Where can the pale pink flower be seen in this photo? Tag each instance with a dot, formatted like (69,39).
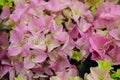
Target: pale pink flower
(34,57)
(16,45)
(36,25)
(83,44)
(59,64)
(59,34)
(19,12)
(115,33)
(57,5)
(37,41)
(83,26)
(98,73)
(70,73)
(51,43)
(77,12)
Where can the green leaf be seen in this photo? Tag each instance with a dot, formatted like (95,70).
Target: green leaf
(94,4)
(76,55)
(93,9)
(0,26)
(19,78)
(4,3)
(116,75)
(58,21)
(105,64)
(76,78)
(101,77)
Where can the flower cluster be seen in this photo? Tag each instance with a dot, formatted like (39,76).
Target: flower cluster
(40,38)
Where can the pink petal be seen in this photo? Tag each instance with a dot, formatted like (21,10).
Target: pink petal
(84,25)
(37,42)
(115,33)
(12,74)
(98,43)
(5,13)
(55,5)
(14,50)
(28,64)
(5,70)
(16,37)
(4,40)
(40,56)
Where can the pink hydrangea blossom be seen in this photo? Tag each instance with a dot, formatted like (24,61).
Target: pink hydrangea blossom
(41,39)
(35,57)
(5,13)
(99,45)
(58,5)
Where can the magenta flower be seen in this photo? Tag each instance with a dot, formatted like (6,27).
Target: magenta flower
(5,13)
(113,55)
(99,45)
(3,45)
(74,33)
(4,40)
(4,70)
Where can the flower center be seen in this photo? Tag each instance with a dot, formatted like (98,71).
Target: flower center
(36,42)
(20,44)
(113,60)
(100,48)
(33,56)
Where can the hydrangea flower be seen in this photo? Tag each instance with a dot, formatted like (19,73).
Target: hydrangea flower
(56,39)
(34,57)
(98,48)
(98,74)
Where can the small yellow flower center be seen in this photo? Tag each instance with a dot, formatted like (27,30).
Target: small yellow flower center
(113,60)
(33,56)
(100,48)
(36,30)
(36,42)
(20,44)
(46,27)
(48,42)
